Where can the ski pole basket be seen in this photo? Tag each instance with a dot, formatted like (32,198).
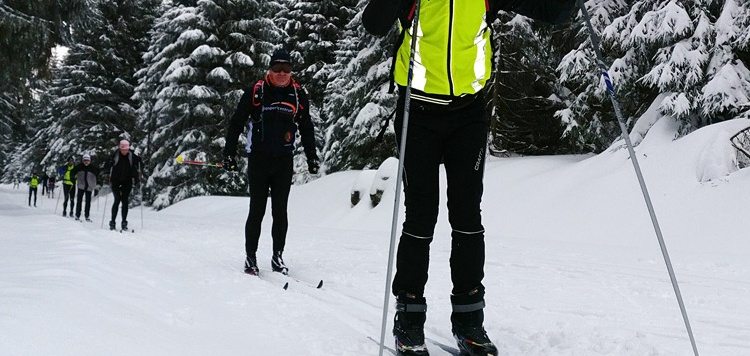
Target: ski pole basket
(741,141)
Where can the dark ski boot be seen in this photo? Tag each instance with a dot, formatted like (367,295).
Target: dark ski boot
(124,225)
(251,265)
(408,325)
(277,263)
(112,225)
(470,335)
(467,319)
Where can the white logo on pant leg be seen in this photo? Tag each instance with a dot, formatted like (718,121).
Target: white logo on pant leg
(479,160)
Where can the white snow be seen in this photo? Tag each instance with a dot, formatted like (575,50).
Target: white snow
(573,265)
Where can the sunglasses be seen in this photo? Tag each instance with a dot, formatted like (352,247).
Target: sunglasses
(281,68)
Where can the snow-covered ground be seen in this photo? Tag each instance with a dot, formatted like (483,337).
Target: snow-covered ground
(573,265)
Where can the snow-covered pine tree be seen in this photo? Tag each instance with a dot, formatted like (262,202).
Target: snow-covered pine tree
(690,51)
(28,32)
(589,121)
(201,56)
(314,31)
(525,86)
(88,103)
(357,102)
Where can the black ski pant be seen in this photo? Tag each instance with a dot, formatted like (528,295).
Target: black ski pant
(264,172)
(121,193)
(457,139)
(81,194)
(32,191)
(69,194)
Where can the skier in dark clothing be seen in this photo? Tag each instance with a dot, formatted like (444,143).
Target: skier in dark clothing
(85,174)
(276,107)
(124,172)
(51,186)
(43,182)
(448,124)
(68,185)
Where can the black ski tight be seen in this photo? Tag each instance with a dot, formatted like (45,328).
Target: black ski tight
(32,191)
(87,210)
(456,139)
(121,192)
(266,172)
(69,194)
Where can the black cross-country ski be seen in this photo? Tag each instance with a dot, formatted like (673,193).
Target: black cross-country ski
(257,275)
(317,285)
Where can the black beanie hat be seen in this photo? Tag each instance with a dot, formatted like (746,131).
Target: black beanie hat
(280,56)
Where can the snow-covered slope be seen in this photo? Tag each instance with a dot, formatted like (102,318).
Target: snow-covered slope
(573,265)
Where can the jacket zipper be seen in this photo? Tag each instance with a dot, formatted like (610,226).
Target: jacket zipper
(450,47)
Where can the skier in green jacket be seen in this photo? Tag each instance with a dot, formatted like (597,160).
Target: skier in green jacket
(448,124)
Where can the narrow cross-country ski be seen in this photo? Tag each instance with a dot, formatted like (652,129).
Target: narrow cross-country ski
(266,272)
(271,279)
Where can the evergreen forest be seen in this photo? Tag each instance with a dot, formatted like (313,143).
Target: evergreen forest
(77,76)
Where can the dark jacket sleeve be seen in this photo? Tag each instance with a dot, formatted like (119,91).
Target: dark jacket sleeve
(379,15)
(238,121)
(305,124)
(549,11)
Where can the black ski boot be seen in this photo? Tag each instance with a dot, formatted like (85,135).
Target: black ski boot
(112,225)
(251,265)
(470,335)
(467,319)
(277,263)
(408,325)
(124,225)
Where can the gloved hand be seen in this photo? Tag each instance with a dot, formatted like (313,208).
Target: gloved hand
(229,163)
(313,166)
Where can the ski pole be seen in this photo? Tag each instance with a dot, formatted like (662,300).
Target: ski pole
(140,191)
(104,211)
(399,177)
(58,202)
(639,174)
(181,160)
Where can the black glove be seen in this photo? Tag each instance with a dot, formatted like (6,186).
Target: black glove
(229,163)
(313,166)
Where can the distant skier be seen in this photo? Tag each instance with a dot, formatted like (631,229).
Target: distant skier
(33,184)
(276,107)
(68,185)
(448,125)
(43,182)
(124,172)
(16,182)
(51,186)
(85,173)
